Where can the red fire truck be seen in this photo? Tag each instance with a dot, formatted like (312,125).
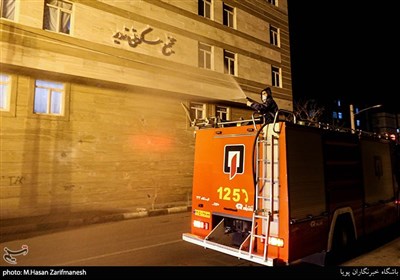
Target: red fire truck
(276,193)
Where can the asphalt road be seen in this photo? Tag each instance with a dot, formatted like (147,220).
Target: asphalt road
(149,242)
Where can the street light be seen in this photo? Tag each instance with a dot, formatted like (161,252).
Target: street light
(352,114)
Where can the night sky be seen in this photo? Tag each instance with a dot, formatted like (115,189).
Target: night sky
(345,50)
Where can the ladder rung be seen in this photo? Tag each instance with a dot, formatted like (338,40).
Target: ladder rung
(265,160)
(263,197)
(265,210)
(267,181)
(261,216)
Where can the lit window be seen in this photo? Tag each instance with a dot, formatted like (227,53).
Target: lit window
(5,92)
(205,56)
(8,94)
(229,62)
(197,111)
(49,98)
(205,8)
(229,16)
(276,76)
(274,35)
(8,9)
(57,16)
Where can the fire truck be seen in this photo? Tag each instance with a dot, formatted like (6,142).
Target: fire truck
(287,191)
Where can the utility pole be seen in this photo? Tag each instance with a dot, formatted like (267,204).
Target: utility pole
(352,115)
(353,126)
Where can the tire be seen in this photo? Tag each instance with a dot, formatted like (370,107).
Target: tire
(343,243)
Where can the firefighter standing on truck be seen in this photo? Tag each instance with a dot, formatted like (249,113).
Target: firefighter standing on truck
(267,108)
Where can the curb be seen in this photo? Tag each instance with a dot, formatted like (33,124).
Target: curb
(130,215)
(8,231)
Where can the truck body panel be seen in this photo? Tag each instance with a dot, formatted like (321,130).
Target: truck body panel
(281,192)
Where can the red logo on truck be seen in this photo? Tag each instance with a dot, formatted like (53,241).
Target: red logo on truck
(233,160)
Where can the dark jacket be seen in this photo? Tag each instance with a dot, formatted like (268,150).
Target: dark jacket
(267,108)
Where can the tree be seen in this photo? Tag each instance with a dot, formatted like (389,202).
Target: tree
(308,110)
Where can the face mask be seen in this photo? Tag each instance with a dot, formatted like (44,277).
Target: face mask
(264,97)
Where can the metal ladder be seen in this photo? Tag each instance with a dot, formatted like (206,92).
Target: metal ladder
(266,191)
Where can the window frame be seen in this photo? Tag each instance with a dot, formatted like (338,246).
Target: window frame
(274,36)
(273,2)
(218,112)
(11,95)
(229,14)
(205,6)
(65,101)
(59,21)
(15,7)
(204,55)
(201,107)
(276,76)
(230,59)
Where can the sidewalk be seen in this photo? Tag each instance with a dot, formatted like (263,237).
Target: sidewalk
(20,228)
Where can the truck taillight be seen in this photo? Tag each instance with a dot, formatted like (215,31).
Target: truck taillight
(200,224)
(275,241)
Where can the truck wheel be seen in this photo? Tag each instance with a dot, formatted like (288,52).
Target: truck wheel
(343,242)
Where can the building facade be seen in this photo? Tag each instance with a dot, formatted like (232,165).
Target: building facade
(98,97)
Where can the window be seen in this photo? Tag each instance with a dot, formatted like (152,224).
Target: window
(8,93)
(357,122)
(276,76)
(8,9)
(273,2)
(57,16)
(5,92)
(197,111)
(222,113)
(205,9)
(229,16)
(337,115)
(205,56)
(274,36)
(229,62)
(49,98)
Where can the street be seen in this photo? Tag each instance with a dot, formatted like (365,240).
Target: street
(146,242)
(150,241)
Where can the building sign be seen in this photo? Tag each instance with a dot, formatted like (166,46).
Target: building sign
(134,39)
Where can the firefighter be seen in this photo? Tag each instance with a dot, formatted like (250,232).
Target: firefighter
(267,108)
